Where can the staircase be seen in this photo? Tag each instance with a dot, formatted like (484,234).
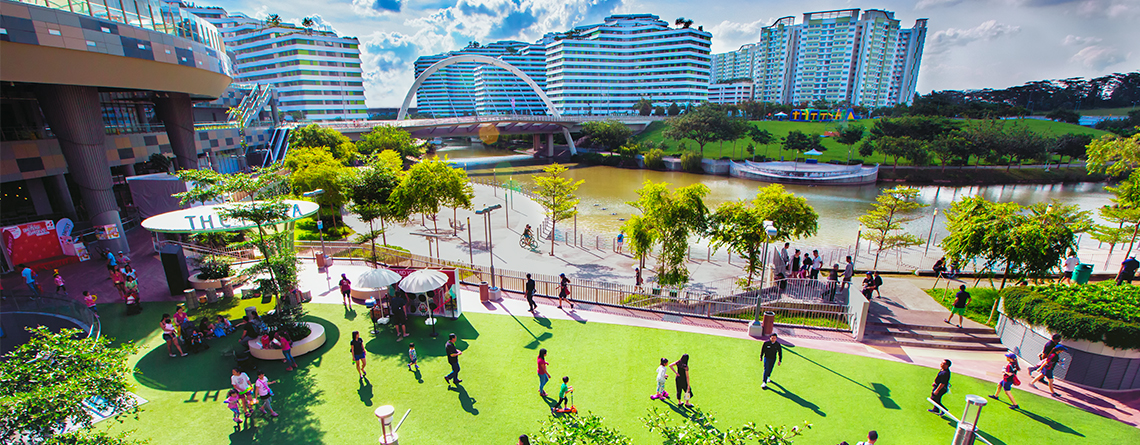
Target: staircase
(946,336)
(252,104)
(278,146)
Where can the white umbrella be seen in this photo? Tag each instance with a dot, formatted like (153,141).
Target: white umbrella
(423,280)
(377,279)
(814,152)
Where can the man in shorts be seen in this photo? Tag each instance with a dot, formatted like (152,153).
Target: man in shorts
(399,318)
(1051,361)
(961,300)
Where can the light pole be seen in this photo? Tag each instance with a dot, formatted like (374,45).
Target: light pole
(931,234)
(757,328)
(858,235)
(486,212)
(320,227)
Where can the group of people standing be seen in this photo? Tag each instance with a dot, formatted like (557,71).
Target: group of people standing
(795,266)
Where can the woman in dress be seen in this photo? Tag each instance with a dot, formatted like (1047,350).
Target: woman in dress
(684,389)
(564,291)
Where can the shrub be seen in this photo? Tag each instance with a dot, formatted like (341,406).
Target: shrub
(655,159)
(215,267)
(1063,310)
(287,320)
(691,161)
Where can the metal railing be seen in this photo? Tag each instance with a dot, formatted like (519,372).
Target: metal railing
(58,306)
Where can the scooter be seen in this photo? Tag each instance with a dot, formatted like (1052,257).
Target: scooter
(663,396)
(571,410)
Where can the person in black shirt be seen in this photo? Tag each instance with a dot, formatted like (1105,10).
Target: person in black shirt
(941,387)
(773,354)
(1052,343)
(530,293)
(1127,270)
(358,356)
(961,300)
(453,354)
(399,317)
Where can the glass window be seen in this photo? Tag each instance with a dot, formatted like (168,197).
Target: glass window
(115,11)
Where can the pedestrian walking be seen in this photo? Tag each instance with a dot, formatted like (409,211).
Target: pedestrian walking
(564,291)
(662,377)
(399,318)
(286,350)
(773,355)
(358,356)
(346,290)
(169,333)
(1008,379)
(543,375)
(940,387)
(961,301)
(264,394)
(530,294)
(453,354)
(682,379)
(233,402)
(240,383)
(848,272)
(637,280)
(816,264)
(60,286)
(413,358)
(1049,345)
(111,260)
(89,299)
(872,437)
(796,261)
(30,280)
(1048,363)
(620,241)
(1127,270)
(120,281)
(1070,265)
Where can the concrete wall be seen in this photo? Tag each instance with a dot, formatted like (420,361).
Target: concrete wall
(1088,364)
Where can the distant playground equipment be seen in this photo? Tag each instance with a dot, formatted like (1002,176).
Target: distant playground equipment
(813,115)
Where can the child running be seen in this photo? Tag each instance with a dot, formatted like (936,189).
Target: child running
(563,391)
(264,393)
(60,286)
(662,377)
(286,350)
(1008,379)
(233,402)
(412,357)
(90,298)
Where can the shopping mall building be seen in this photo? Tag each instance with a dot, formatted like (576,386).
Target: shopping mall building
(90,91)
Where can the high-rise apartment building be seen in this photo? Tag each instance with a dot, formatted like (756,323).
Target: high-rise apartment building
(734,65)
(317,74)
(596,69)
(838,56)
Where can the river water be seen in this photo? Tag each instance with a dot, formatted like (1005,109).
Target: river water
(606,191)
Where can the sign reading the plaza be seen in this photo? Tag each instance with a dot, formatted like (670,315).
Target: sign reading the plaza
(206,218)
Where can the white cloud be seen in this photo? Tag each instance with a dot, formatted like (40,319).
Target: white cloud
(490,20)
(928,4)
(1098,57)
(734,34)
(1071,40)
(942,41)
(386,59)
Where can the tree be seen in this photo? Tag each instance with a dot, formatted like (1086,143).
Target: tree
(1124,212)
(272,21)
(706,123)
(429,185)
(659,110)
(317,136)
(798,142)
(1061,115)
(681,21)
(849,135)
(1113,154)
(556,195)
(396,139)
(629,152)
(643,106)
(45,382)
(674,109)
(1072,145)
(949,148)
(741,226)
(585,429)
(315,168)
(372,190)
(892,210)
(308,23)
(670,218)
(904,147)
(699,428)
(610,134)
(762,137)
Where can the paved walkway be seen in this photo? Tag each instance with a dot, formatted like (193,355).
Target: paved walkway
(902,301)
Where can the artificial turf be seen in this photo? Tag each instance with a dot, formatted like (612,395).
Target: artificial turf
(612,368)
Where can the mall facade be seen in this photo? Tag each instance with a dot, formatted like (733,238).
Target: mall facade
(92,94)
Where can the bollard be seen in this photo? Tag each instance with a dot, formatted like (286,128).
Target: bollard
(387,433)
(191,299)
(227,288)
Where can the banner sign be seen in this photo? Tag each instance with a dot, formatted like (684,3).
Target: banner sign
(203,219)
(812,115)
(30,242)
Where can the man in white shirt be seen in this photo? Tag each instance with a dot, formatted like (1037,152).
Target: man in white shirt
(785,260)
(1070,265)
(816,264)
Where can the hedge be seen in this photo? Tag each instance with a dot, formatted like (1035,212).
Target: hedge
(1031,306)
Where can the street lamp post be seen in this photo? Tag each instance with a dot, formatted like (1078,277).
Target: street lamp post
(320,226)
(931,234)
(770,231)
(486,212)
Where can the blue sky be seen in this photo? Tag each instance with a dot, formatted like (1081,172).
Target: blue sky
(970,43)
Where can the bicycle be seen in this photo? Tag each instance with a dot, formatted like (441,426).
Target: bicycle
(528,242)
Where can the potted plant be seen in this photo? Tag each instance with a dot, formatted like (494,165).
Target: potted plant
(212,269)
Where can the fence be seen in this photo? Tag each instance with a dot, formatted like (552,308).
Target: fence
(796,301)
(1075,365)
(68,309)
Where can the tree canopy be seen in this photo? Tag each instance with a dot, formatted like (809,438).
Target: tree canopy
(313,135)
(669,218)
(740,226)
(556,194)
(893,208)
(1114,154)
(609,134)
(371,192)
(396,139)
(705,123)
(315,168)
(431,184)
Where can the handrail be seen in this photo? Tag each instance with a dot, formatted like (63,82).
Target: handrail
(66,308)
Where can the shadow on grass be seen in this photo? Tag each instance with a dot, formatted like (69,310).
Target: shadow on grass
(465,400)
(294,398)
(426,346)
(209,370)
(879,389)
(1058,426)
(783,392)
(365,391)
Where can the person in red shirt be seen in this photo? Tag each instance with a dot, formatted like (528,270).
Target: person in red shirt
(543,374)
(346,290)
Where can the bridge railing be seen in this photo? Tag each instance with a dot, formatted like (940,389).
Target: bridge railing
(567,119)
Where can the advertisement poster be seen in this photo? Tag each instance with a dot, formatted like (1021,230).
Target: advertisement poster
(31,242)
(110,231)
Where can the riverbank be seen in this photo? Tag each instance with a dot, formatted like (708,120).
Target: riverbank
(987,176)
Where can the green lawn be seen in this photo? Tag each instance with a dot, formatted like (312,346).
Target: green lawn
(1123,111)
(981,301)
(835,151)
(612,368)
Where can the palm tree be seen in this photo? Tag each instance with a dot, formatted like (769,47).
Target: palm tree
(681,21)
(308,24)
(273,21)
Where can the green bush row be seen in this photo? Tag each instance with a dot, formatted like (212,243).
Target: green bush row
(1034,308)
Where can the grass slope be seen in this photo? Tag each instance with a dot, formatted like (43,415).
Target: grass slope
(835,151)
(612,368)
(981,304)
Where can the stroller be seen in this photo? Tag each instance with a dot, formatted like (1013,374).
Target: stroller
(134,305)
(194,340)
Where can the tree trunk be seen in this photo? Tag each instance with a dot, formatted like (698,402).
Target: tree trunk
(372,238)
(552,224)
(383,231)
(1133,241)
(435,223)
(454,221)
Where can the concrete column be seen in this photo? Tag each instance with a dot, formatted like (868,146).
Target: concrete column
(273,109)
(62,194)
(39,196)
(140,113)
(550,144)
(75,116)
(536,143)
(176,113)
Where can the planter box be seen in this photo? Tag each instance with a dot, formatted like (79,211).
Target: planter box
(1089,364)
(315,340)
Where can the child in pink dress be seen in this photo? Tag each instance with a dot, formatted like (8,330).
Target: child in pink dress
(233,402)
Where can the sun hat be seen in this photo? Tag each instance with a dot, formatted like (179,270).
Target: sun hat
(1011,355)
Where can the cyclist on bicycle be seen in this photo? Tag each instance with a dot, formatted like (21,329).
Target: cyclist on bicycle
(526,232)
